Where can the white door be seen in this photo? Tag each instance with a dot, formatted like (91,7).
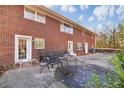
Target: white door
(70,45)
(86,47)
(23,48)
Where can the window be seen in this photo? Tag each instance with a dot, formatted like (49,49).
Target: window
(34,15)
(41,18)
(71,30)
(39,43)
(62,27)
(29,14)
(70,45)
(79,46)
(66,28)
(22,48)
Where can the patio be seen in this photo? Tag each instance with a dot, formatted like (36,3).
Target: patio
(31,78)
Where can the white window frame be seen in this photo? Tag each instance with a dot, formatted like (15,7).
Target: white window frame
(29,47)
(62,27)
(79,46)
(27,17)
(43,18)
(71,30)
(86,48)
(66,29)
(43,21)
(43,40)
(70,49)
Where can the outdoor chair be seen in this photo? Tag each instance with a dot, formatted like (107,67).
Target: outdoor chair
(72,55)
(44,62)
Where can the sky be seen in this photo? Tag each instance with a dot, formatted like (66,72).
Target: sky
(93,17)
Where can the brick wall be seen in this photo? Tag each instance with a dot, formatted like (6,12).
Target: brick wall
(12,22)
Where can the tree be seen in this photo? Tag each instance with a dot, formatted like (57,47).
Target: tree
(111,31)
(111,37)
(121,34)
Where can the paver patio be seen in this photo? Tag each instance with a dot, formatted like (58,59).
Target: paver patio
(31,78)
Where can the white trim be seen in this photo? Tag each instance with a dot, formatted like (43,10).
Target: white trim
(71,42)
(29,54)
(43,43)
(35,19)
(43,21)
(68,29)
(79,46)
(86,48)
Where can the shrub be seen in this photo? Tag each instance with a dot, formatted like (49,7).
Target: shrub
(118,69)
(113,79)
(94,81)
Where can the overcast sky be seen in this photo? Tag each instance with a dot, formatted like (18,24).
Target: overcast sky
(91,16)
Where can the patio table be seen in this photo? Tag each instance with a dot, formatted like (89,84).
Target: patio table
(50,62)
(66,59)
(55,63)
(69,58)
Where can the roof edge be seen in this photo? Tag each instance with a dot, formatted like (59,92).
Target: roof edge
(64,18)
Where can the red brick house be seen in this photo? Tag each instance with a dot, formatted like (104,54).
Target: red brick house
(27,30)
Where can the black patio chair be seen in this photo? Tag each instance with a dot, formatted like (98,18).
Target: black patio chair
(44,62)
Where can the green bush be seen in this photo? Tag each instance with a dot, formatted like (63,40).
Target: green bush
(121,55)
(94,81)
(113,79)
(118,68)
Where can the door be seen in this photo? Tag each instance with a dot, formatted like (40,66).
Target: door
(23,49)
(70,45)
(86,47)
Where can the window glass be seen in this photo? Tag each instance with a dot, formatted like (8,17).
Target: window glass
(41,18)
(29,14)
(70,45)
(34,15)
(39,43)
(66,28)
(79,45)
(22,49)
(62,27)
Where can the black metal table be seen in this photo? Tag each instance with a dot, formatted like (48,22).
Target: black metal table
(43,65)
(52,63)
(67,59)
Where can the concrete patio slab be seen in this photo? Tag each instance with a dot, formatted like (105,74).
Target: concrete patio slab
(31,78)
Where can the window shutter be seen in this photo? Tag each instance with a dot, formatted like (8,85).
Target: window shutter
(62,27)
